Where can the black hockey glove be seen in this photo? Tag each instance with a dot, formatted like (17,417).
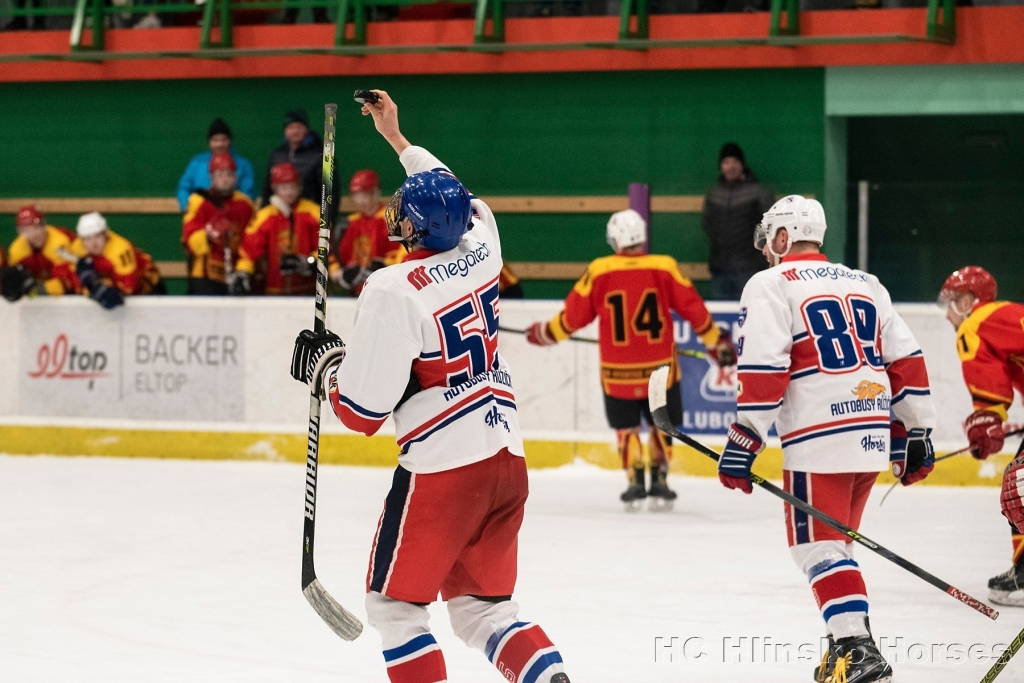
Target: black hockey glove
(293,264)
(238,283)
(314,355)
(16,282)
(352,277)
(105,296)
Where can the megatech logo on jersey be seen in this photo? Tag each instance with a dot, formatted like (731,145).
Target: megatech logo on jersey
(63,360)
(823,273)
(420,277)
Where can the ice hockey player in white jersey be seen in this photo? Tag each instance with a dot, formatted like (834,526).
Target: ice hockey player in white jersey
(424,350)
(823,355)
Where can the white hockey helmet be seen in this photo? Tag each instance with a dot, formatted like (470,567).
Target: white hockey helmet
(626,229)
(803,218)
(91,224)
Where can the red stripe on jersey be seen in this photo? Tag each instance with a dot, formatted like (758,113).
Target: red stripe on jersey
(762,387)
(804,355)
(827,425)
(427,668)
(520,649)
(907,372)
(452,409)
(430,373)
(848,581)
(352,419)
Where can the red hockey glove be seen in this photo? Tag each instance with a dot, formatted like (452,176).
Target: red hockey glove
(734,465)
(218,229)
(723,352)
(539,334)
(1010,498)
(985,432)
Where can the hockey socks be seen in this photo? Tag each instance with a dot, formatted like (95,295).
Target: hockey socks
(523,653)
(841,596)
(418,660)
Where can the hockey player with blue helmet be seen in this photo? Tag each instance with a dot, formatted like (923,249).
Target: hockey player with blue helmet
(424,350)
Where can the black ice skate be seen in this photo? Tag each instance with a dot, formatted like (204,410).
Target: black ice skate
(1008,588)
(828,662)
(636,491)
(559,678)
(857,660)
(662,497)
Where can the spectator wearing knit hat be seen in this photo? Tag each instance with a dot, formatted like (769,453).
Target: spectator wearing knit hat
(732,209)
(303,149)
(197,175)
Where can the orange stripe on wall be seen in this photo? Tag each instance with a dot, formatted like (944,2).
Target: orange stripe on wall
(984,35)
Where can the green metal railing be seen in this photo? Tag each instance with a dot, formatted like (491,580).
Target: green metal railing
(352,16)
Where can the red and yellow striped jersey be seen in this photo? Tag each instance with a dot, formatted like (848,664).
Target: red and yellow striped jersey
(633,296)
(990,343)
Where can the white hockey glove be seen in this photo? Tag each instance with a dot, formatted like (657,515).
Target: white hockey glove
(315,353)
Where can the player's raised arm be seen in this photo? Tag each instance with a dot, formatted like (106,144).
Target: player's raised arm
(385,120)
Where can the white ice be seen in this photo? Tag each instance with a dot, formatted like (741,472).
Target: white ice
(148,571)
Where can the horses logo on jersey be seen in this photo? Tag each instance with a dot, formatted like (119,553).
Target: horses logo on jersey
(866,390)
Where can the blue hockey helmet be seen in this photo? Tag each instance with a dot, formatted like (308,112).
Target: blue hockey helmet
(436,204)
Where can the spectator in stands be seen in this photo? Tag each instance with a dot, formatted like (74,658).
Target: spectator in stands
(732,209)
(109,266)
(364,246)
(212,228)
(283,235)
(303,149)
(197,174)
(39,262)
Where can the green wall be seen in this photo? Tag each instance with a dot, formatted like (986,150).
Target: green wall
(503,134)
(945,192)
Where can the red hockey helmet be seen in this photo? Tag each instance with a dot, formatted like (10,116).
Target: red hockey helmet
(29,216)
(364,181)
(222,161)
(973,279)
(282,174)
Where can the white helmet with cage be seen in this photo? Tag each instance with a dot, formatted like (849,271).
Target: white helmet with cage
(802,218)
(626,229)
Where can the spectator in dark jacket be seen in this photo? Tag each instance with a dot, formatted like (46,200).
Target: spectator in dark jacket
(732,209)
(197,177)
(303,149)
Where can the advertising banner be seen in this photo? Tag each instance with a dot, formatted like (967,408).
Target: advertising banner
(709,392)
(149,363)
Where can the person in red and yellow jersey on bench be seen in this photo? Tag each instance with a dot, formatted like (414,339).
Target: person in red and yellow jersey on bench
(633,295)
(108,266)
(37,258)
(212,229)
(284,235)
(364,246)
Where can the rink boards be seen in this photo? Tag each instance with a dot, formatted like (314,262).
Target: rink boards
(208,378)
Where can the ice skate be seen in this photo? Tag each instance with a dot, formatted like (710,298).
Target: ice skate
(1008,588)
(559,678)
(636,491)
(828,661)
(662,498)
(857,660)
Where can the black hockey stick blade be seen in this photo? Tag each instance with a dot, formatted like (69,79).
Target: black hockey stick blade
(657,391)
(1014,432)
(1004,659)
(345,624)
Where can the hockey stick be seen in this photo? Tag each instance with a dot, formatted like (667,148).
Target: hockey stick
(1004,659)
(1015,432)
(587,340)
(339,619)
(656,393)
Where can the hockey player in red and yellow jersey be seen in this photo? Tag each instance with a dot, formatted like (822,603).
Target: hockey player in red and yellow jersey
(633,295)
(212,229)
(109,266)
(990,343)
(824,357)
(285,234)
(364,246)
(37,259)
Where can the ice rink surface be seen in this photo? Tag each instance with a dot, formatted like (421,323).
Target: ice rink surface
(139,570)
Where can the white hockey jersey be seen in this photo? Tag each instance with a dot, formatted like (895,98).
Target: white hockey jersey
(824,356)
(425,347)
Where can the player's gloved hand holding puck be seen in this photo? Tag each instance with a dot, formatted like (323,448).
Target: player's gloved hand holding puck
(911,455)
(738,457)
(985,432)
(315,353)
(539,334)
(1010,497)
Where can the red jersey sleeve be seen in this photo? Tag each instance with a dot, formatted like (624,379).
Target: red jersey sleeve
(986,342)
(688,303)
(578,309)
